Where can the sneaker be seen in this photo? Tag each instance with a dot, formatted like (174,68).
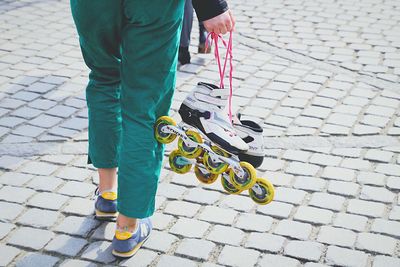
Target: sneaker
(125,243)
(202,49)
(106,205)
(184,55)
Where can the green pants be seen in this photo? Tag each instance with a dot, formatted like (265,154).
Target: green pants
(131,49)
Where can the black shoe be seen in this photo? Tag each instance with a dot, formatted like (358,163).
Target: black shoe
(184,55)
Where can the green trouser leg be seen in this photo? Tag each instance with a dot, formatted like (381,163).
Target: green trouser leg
(149,39)
(100,38)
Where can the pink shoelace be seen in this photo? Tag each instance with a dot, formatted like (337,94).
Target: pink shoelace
(228,46)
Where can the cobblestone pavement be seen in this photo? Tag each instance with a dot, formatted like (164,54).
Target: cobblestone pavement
(322,77)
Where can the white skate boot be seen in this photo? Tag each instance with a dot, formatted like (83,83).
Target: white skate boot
(204,109)
(251,133)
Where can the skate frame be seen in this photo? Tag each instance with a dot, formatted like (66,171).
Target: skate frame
(180,130)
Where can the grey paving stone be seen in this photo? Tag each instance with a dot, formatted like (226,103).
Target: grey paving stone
(293,229)
(99,251)
(276,209)
(309,183)
(37,259)
(142,258)
(254,222)
(327,201)
(377,194)
(11,163)
(203,248)
(337,173)
(79,226)
(75,124)
(37,238)
(335,129)
(190,228)
(357,164)
(278,261)
(201,196)
(77,189)
(345,257)
(351,221)
(170,190)
(28,130)
(270,164)
(61,111)
(15,194)
(395,213)
(80,206)
(388,169)
(336,236)
(66,245)
(46,200)
(367,208)
(160,241)
(45,121)
(236,256)
(393,183)
(278,178)
(296,155)
(11,103)
(379,155)
(7,254)
(44,183)
(15,178)
(308,250)
(167,261)
(240,203)
(312,264)
(376,243)
(313,215)
(38,218)
(42,104)
(343,188)
(226,235)
(185,179)
(5,229)
(385,261)
(9,211)
(289,195)
(77,263)
(161,221)
(39,168)
(218,215)
(299,168)
(265,242)
(73,173)
(325,160)
(11,122)
(182,208)
(386,227)
(371,178)
(40,87)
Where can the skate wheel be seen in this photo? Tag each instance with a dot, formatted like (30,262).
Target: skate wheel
(205,176)
(178,162)
(262,192)
(249,178)
(215,167)
(191,152)
(164,138)
(228,186)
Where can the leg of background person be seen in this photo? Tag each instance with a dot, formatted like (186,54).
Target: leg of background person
(202,40)
(100,39)
(184,55)
(150,41)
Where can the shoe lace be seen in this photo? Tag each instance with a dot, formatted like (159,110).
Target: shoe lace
(228,46)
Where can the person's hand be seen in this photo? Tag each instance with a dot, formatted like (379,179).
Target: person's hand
(220,24)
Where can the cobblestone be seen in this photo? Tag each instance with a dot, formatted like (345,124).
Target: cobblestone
(226,235)
(66,245)
(366,208)
(160,241)
(7,254)
(278,261)
(386,227)
(37,238)
(293,229)
(327,201)
(218,215)
(313,215)
(254,222)
(336,236)
(203,248)
(307,250)
(376,243)
(37,259)
(384,261)
(235,256)
(190,228)
(346,257)
(39,218)
(276,209)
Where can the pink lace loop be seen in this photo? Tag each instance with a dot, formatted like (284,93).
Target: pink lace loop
(221,69)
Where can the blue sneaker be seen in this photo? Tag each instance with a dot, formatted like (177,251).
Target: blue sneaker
(106,205)
(126,244)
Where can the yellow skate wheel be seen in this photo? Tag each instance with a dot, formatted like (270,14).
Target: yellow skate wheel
(215,167)
(164,138)
(228,186)
(262,192)
(191,152)
(178,162)
(205,176)
(249,178)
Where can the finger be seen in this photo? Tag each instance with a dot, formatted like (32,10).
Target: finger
(223,29)
(228,24)
(233,20)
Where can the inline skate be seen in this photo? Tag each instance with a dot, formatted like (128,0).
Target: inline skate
(208,140)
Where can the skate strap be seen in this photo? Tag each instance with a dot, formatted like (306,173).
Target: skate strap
(222,69)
